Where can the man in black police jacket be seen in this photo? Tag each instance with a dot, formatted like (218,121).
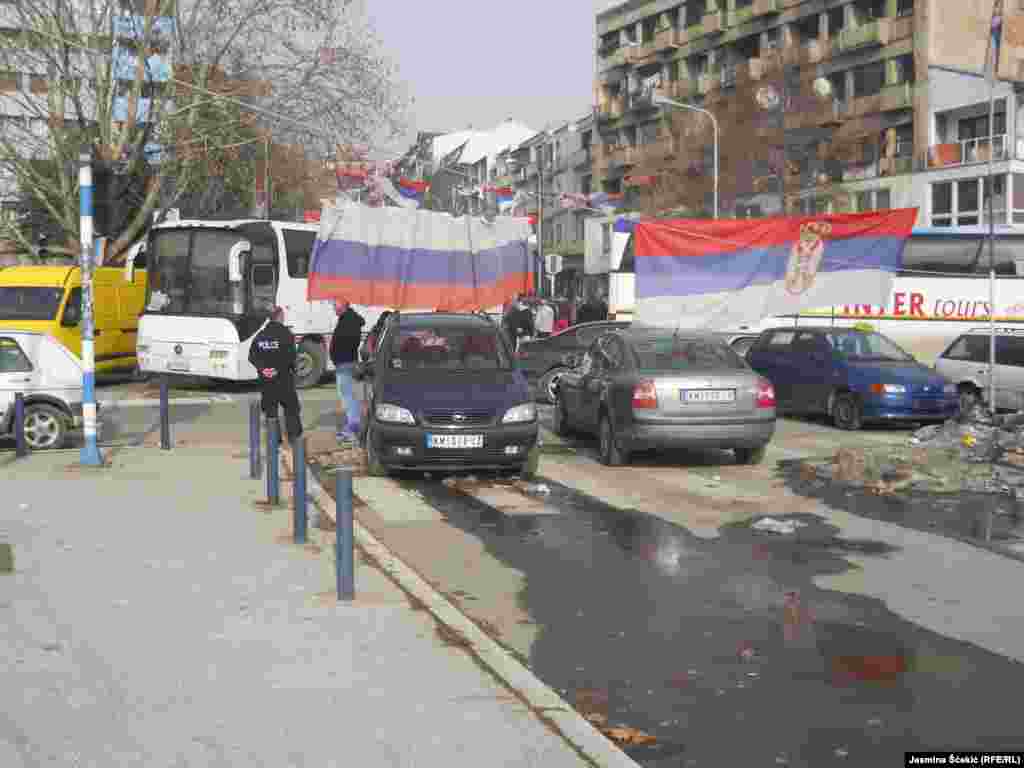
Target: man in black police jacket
(273,355)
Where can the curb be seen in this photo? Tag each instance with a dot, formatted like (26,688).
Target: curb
(544,701)
(155,402)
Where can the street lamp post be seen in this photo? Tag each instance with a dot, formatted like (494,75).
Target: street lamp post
(667,102)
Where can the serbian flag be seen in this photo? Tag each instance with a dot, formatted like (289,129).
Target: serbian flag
(413,190)
(721,273)
(410,259)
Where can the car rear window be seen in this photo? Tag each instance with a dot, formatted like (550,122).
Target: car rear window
(446,348)
(681,354)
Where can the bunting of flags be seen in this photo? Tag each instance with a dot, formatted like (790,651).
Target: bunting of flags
(413,190)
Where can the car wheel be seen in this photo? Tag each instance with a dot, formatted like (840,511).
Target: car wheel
(374,466)
(310,364)
(847,412)
(969,397)
(611,454)
(547,387)
(46,427)
(749,455)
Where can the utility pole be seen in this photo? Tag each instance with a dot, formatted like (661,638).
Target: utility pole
(993,51)
(90,454)
(539,270)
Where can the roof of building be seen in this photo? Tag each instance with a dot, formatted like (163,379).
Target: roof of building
(482,144)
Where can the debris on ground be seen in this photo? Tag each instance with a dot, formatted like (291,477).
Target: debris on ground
(783,527)
(626,735)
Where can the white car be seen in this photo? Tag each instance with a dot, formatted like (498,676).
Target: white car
(50,378)
(965,362)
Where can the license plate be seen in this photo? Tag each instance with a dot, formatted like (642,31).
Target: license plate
(455,441)
(707,395)
(177,366)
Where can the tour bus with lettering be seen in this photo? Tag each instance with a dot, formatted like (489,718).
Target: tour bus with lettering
(942,290)
(211,287)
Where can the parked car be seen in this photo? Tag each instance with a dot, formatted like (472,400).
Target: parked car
(50,378)
(965,363)
(740,342)
(640,389)
(853,376)
(544,360)
(445,394)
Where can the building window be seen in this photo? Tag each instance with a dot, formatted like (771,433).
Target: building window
(694,13)
(874,200)
(869,79)
(977,127)
(903,68)
(836,18)
(963,203)
(904,7)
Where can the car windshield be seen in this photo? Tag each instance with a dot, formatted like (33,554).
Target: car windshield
(29,302)
(674,353)
(447,348)
(864,345)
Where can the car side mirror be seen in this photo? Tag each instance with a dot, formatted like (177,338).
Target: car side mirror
(236,260)
(72,314)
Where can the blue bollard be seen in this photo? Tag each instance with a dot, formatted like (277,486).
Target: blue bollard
(255,464)
(344,535)
(299,477)
(165,414)
(20,449)
(273,482)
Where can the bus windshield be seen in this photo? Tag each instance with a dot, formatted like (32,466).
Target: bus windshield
(188,273)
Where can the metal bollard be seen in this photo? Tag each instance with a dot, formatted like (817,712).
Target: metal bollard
(299,477)
(344,536)
(273,482)
(20,449)
(255,464)
(165,413)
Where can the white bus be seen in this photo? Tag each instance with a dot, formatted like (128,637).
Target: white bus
(211,286)
(941,292)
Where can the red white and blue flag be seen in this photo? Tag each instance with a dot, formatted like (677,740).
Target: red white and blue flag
(413,190)
(411,259)
(722,273)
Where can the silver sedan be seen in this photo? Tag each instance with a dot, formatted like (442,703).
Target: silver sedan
(641,389)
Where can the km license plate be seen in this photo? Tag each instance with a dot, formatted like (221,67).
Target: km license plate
(455,441)
(708,395)
(177,366)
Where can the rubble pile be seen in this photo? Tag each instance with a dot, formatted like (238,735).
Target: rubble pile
(979,453)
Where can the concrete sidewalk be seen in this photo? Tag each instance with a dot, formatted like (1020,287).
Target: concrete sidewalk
(157,616)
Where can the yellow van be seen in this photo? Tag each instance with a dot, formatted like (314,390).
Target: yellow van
(48,299)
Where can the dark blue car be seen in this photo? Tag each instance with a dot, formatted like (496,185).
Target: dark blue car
(850,375)
(445,394)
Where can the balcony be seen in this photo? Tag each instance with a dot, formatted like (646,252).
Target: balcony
(891,166)
(620,57)
(967,151)
(642,99)
(708,82)
(531,170)
(728,76)
(646,50)
(897,97)
(867,35)
(714,23)
(826,114)
(667,40)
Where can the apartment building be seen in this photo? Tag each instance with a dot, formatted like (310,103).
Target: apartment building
(907,78)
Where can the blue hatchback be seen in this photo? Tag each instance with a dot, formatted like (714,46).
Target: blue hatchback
(850,375)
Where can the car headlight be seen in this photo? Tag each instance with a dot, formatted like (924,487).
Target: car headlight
(394,414)
(219,354)
(520,413)
(889,389)
(950,389)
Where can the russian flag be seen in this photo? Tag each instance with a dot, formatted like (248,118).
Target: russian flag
(418,260)
(720,273)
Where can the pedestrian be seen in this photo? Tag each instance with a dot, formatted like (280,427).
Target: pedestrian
(273,355)
(544,320)
(344,354)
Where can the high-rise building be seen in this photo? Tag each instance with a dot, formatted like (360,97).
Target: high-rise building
(906,77)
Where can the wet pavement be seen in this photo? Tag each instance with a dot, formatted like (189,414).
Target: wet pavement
(724,649)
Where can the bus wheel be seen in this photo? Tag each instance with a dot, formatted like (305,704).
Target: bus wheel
(309,365)
(969,397)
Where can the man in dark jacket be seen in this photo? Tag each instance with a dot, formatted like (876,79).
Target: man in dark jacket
(273,355)
(344,354)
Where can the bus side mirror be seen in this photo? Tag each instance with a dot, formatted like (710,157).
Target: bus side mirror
(129,264)
(236,260)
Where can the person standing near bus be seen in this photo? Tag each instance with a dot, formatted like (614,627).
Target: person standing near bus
(273,355)
(344,354)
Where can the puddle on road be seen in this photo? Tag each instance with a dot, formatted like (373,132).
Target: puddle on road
(724,651)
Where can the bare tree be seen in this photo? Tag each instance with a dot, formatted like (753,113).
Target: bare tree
(111,77)
(780,137)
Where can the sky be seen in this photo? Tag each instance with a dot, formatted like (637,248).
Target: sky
(479,62)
